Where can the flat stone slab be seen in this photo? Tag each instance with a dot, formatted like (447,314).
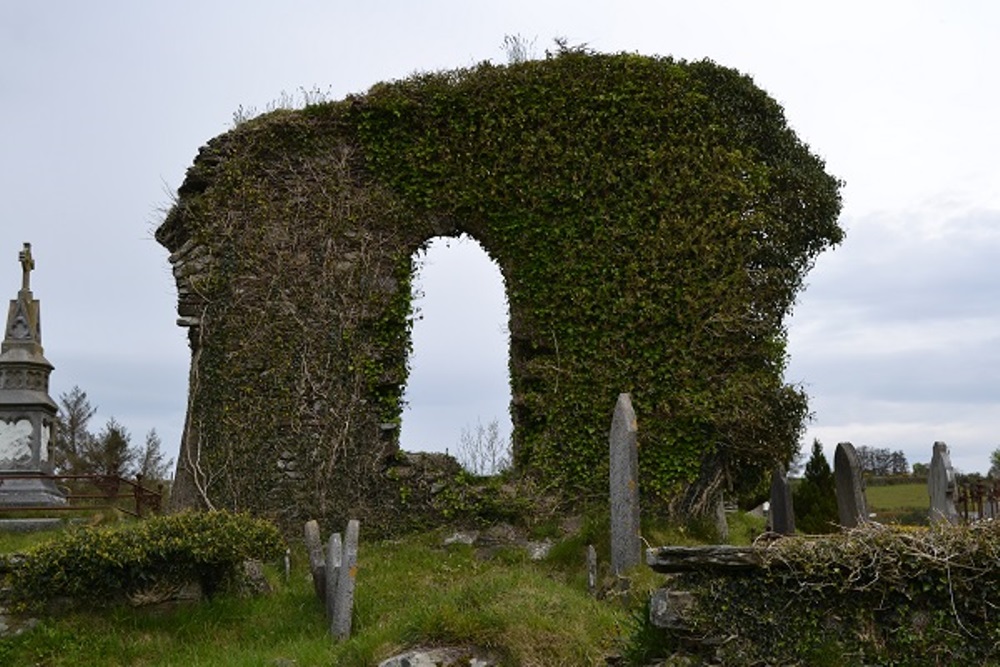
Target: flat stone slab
(714,557)
(441,657)
(30,525)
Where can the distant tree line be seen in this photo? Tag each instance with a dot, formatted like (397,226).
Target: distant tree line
(881,462)
(78,451)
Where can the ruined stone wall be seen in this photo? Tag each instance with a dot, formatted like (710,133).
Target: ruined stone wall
(652,220)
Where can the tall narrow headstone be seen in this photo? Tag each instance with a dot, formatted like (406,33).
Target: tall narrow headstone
(851,505)
(626,548)
(941,485)
(782,513)
(343,604)
(721,523)
(27,412)
(334,559)
(317,565)
(591,570)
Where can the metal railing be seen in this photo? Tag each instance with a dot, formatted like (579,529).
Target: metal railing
(95,492)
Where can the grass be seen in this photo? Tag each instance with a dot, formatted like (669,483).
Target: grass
(899,503)
(413,592)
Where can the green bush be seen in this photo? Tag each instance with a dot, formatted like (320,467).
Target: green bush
(99,565)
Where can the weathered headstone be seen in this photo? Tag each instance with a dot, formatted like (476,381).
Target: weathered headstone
(851,505)
(782,513)
(721,523)
(591,570)
(941,485)
(27,412)
(334,559)
(343,604)
(317,564)
(626,548)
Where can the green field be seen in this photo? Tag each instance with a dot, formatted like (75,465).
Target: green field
(899,503)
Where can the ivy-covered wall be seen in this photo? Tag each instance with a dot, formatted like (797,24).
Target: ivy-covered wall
(653,220)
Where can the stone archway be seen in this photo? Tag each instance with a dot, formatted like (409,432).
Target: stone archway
(652,220)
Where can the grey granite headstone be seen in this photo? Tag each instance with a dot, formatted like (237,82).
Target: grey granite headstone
(317,565)
(626,548)
(851,505)
(941,485)
(334,559)
(782,513)
(343,604)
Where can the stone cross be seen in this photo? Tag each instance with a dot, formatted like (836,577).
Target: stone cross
(626,548)
(941,485)
(782,513)
(27,265)
(851,505)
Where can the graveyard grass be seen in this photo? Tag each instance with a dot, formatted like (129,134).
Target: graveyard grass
(410,592)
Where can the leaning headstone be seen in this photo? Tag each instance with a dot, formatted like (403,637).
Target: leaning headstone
(941,485)
(317,564)
(334,558)
(851,505)
(626,548)
(782,513)
(343,604)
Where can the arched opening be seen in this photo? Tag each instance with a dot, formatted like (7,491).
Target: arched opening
(458,394)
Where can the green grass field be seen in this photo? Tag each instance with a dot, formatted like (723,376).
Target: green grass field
(899,503)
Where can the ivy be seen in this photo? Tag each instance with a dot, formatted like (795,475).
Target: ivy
(653,219)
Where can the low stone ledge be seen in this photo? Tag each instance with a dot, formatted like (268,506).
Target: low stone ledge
(713,558)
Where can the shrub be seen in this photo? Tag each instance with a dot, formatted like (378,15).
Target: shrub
(100,565)
(871,595)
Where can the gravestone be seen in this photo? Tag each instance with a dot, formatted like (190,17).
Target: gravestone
(721,523)
(851,505)
(27,412)
(591,570)
(317,566)
(941,485)
(343,603)
(782,512)
(334,559)
(626,548)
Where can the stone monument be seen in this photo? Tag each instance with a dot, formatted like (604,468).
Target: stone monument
(851,503)
(782,512)
(941,486)
(27,413)
(626,547)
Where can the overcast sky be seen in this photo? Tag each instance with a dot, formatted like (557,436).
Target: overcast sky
(103,106)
